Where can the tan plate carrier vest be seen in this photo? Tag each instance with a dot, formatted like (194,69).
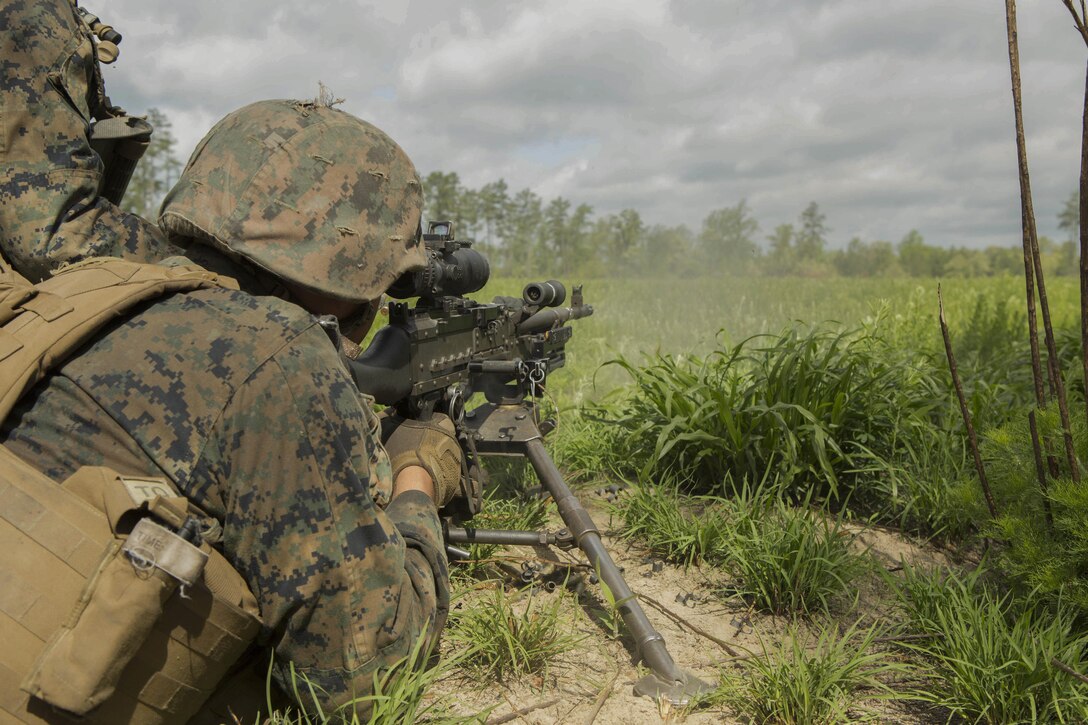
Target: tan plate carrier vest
(106,614)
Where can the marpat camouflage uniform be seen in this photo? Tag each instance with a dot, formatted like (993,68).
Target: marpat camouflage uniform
(50,211)
(244,404)
(240,399)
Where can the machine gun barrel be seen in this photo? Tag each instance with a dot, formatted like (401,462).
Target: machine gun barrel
(550,317)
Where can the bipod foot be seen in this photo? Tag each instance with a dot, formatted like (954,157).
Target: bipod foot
(679,690)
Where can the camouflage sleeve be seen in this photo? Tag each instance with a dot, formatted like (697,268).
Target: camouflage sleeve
(414,515)
(344,588)
(50,211)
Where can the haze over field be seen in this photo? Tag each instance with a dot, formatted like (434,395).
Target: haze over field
(890,116)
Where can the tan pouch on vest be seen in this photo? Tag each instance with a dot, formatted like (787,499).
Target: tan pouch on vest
(82,663)
(93,619)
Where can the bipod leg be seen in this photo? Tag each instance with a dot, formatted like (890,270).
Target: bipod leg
(666,679)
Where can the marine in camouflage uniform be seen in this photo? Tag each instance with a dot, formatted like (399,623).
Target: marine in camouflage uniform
(244,404)
(240,397)
(50,91)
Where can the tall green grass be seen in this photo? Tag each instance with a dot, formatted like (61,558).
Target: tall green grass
(836,415)
(505,642)
(860,412)
(990,656)
(806,682)
(782,559)
(684,529)
(789,559)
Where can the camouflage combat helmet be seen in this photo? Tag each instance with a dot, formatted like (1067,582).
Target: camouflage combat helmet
(306,192)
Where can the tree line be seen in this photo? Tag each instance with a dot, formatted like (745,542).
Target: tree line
(524,234)
(521,232)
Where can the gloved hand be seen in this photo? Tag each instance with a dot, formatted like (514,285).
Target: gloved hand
(431,444)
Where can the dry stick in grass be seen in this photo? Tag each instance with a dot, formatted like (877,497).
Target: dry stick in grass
(905,638)
(1029,265)
(1067,669)
(1050,376)
(1051,460)
(1084,235)
(685,623)
(888,639)
(509,717)
(1040,472)
(963,408)
(812,648)
(602,697)
(1031,251)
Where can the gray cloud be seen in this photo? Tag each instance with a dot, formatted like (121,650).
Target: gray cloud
(890,116)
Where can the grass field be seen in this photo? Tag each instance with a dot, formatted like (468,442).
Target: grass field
(684,317)
(791,488)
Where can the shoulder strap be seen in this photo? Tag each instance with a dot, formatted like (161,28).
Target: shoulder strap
(42,324)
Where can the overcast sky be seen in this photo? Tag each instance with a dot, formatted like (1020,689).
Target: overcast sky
(890,115)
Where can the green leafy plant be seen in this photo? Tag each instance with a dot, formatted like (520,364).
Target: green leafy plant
(811,683)
(685,529)
(991,656)
(507,643)
(1045,533)
(789,560)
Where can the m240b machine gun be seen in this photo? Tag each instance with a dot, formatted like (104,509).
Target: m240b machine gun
(435,356)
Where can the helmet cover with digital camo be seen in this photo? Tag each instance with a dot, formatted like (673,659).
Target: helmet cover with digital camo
(306,192)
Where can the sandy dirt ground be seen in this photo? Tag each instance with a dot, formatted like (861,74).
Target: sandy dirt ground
(705,634)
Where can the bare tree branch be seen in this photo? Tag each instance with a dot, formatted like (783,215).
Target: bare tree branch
(1078,17)
(1025,205)
(971,437)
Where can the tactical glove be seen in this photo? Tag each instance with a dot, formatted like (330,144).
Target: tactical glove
(431,444)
